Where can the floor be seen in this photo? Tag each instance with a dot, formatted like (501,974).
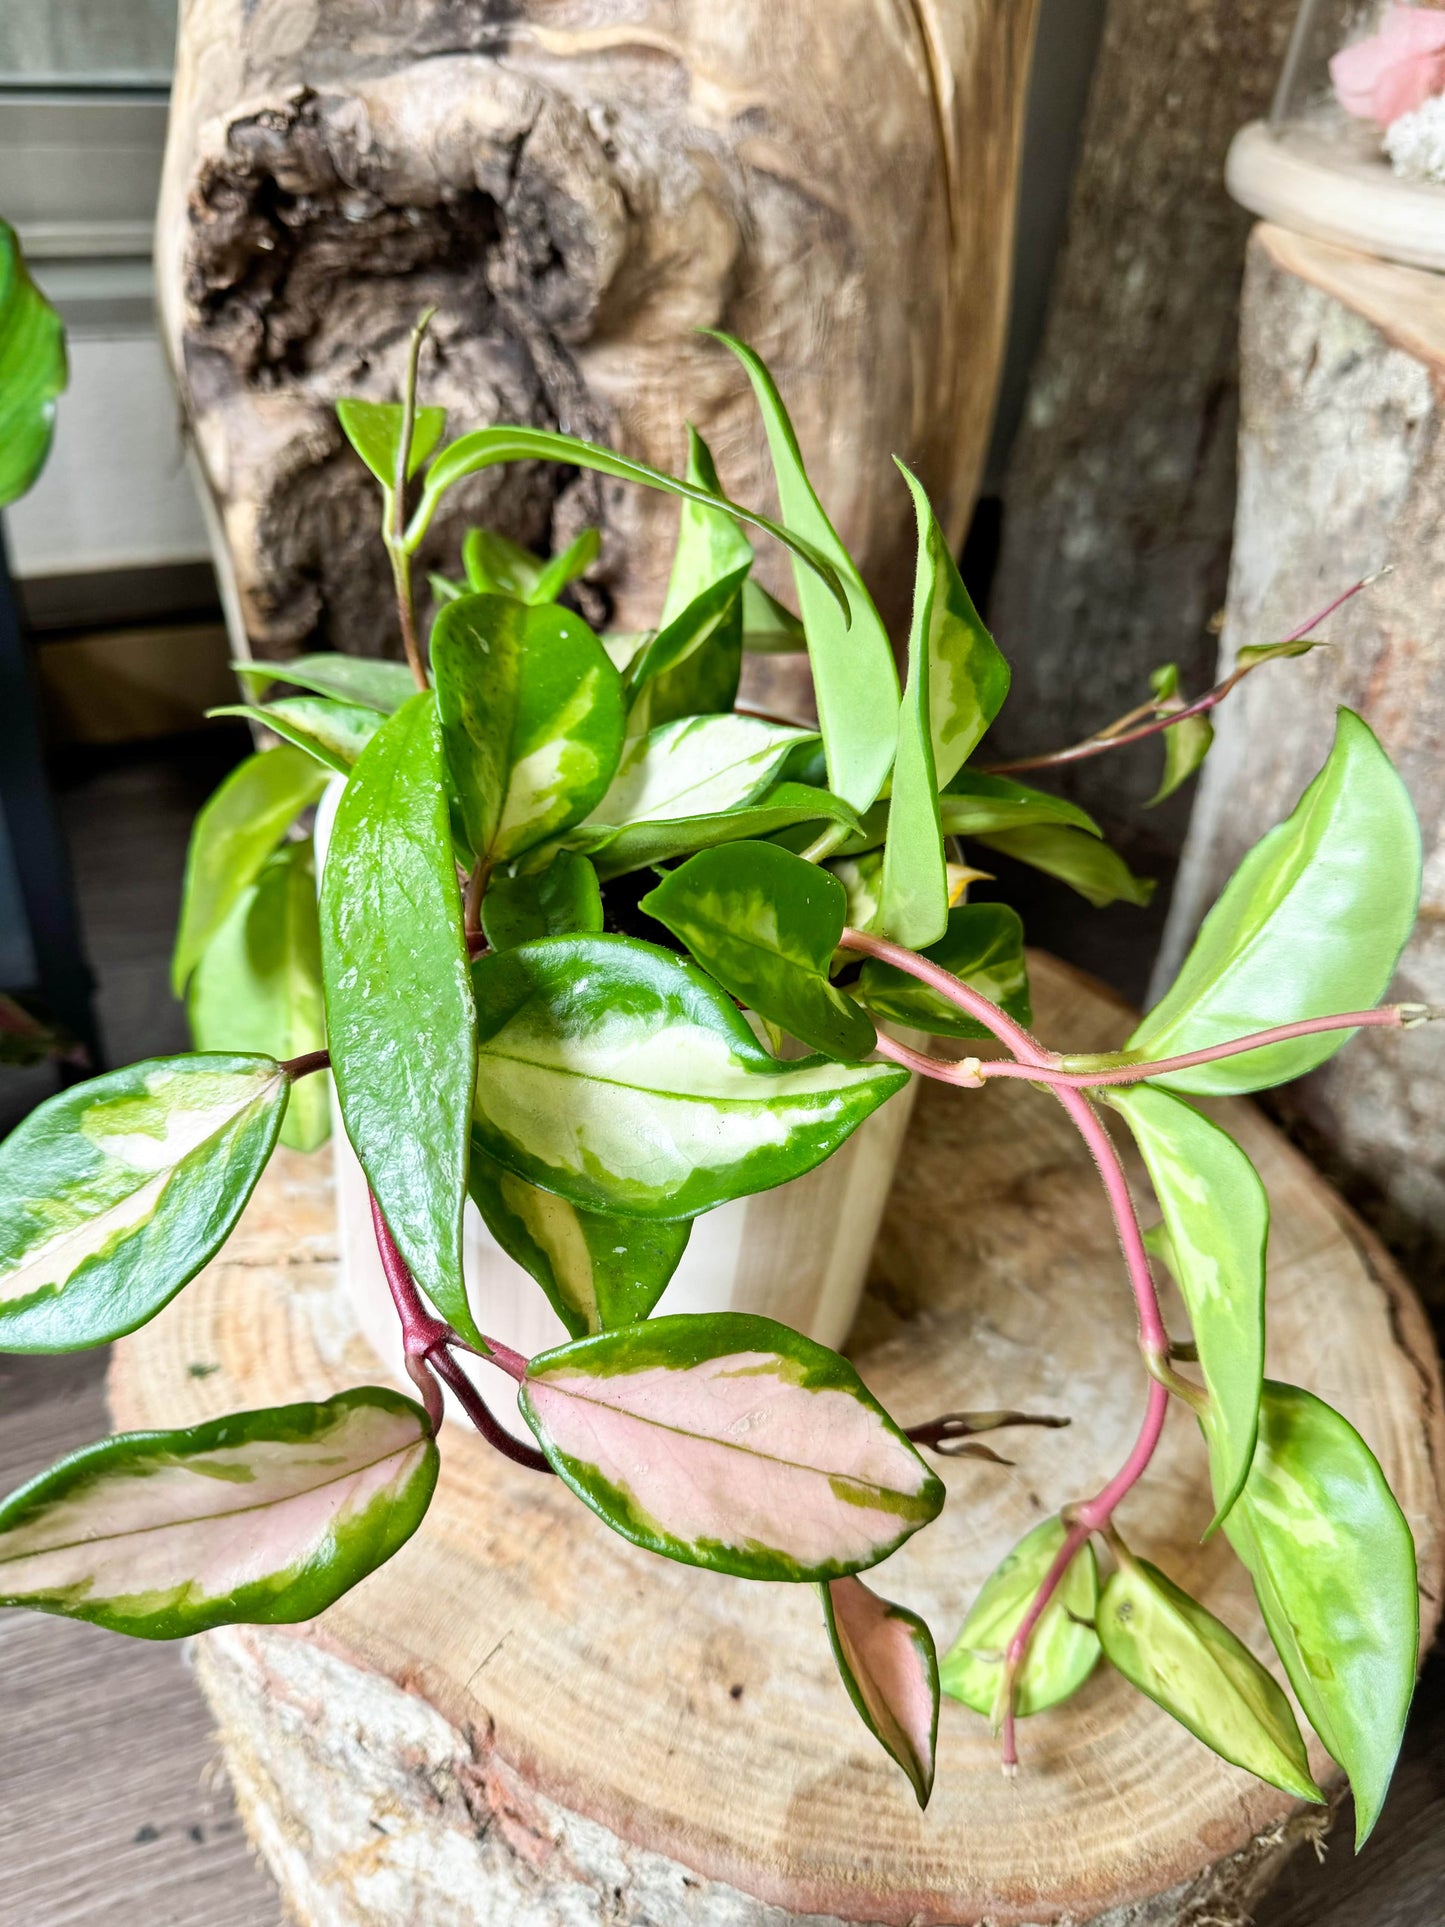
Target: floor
(113,1810)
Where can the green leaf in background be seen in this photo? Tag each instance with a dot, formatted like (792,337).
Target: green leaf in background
(782,808)
(235,832)
(561,901)
(621,1077)
(259,1517)
(333,733)
(1258,652)
(567,565)
(765,924)
(984,945)
(1062,1652)
(978,805)
(374,429)
(691,666)
(1311,923)
(114,1193)
(1186,744)
(1086,864)
(730,1442)
(443,589)
(1333,1566)
(258,985)
(33,371)
(383,686)
(532,717)
(1190,1663)
(711,552)
(399,1018)
(598,1272)
(1216,1212)
(495,565)
(768,628)
(854,679)
(887,1662)
(913,909)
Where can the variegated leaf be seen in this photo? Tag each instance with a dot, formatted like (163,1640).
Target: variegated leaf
(114,1193)
(1064,1647)
(696,766)
(556,902)
(886,1657)
(260,1517)
(789,806)
(382,686)
(624,1079)
(335,733)
(730,1442)
(984,946)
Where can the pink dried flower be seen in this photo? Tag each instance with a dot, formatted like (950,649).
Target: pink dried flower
(1395,70)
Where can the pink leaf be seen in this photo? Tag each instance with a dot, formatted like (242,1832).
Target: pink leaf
(886,1657)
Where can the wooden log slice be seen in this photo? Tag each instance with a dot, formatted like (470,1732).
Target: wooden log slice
(522,1719)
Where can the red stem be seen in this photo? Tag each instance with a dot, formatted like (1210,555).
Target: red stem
(421,1330)
(309,1061)
(480,1413)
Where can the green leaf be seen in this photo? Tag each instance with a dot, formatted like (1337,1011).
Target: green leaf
(560,901)
(1217,1215)
(383,686)
(1333,1566)
(235,832)
(33,371)
(862,881)
(114,1193)
(730,1442)
(978,805)
(261,1518)
(696,766)
(854,679)
(1191,1664)
(258,985)
(765,925)
(1062,1651)
(1086,864)
(913,909)
(1258,652)
(1312,922)
(782,808)
(333,733)
(624,1079)
(768,628)
(691,667)
(984,945)
(374,429)
(443,588)
(887,1662)
(564,568)
(495,565)
(532,717)
(598,1272)
(485,447)
(1186,744)
(399,1015)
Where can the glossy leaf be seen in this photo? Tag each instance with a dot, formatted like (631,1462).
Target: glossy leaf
(114,1193)
(259,1517)
(978,805)
(691,666)
(1186,744)
(780,809)
(1190,1663)
(236,830)
(711,552)
(532,718)
(399,1018)
(561,901)
(768,628)
(334,733)
(730,1442)
(696,766)
(1313,921)
(887,1662)
(765,924)
(382,686)
(1333,1566)
(913,905)
(1064,1647)
(1216,1212)
(598,1272)
(374,429)
(621,1077)
(854,680)
(984,945)
(33,372)
(258,986)
(1084,862)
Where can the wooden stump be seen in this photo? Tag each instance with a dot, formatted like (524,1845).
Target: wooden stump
(524,1720)
(1342,471)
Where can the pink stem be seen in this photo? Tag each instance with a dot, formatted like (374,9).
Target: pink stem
(1023,1046)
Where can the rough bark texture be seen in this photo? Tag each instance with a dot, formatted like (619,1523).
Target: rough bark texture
(1342,471)
(578,185)
(1120,491)
(522,1721)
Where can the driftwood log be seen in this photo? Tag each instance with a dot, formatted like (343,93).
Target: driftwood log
(1342,472)
(578,185)
(521,1720)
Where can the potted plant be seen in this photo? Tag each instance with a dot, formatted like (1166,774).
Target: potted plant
(563,874)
